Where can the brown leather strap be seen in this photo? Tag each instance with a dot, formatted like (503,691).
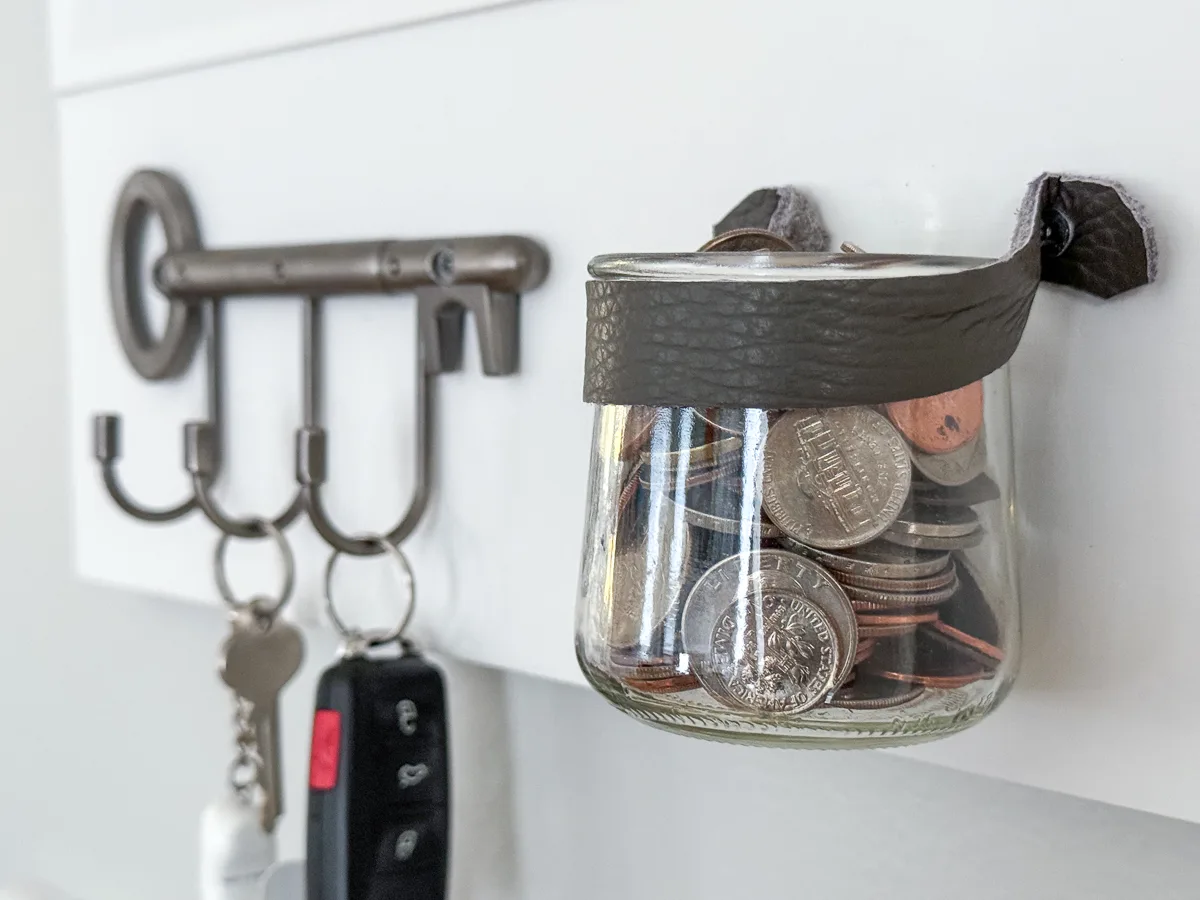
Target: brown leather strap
(839,341)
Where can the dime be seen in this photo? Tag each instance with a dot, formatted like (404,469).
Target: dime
(718,507)
(643,587)
(936,521)
(744,577)
(784,662)
(893,599)
(921,542)
(780,570)
(746,240)
(916,585)
(943,422)
(834,478)
(980,489)
(956,467)
(877,560)
(875,693)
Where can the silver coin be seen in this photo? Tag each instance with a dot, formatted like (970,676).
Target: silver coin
(980,489)
(923,542)
(955,468)
(936,521)
(885,599)
(742,578)
(867,693)
(779,570)
(877,560)
(928,583)
(645,582)
(835,478)
(754,526)
(777,656)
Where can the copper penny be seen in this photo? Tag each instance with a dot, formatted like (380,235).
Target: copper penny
(670,684)
(883,631)
(746,240)
(910,617)
(991,651)
(942,682)
(943,422)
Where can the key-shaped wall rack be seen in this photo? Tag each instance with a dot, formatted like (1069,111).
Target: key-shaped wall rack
(448,276)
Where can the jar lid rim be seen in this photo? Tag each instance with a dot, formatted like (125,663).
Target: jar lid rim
(774,266)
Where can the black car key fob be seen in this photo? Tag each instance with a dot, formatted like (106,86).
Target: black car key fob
(379,782)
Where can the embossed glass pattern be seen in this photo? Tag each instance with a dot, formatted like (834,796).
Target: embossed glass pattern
(823,577)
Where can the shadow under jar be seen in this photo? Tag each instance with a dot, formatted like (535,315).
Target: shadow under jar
(825,577)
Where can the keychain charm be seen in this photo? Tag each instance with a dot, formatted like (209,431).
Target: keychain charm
(260,655)
(379,779)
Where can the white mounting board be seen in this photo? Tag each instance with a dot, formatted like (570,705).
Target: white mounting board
(608,125)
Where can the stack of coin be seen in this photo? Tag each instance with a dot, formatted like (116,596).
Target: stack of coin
(823,553)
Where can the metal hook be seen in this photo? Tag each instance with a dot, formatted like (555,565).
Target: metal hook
(202,441)
(143,194)
(312,441)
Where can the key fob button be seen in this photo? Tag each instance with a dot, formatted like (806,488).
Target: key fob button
(408,721)
(411,844)
(416,777)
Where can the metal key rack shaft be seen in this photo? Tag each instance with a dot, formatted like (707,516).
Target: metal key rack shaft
(448,276)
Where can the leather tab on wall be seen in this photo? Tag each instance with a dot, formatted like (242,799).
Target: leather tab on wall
(835,341)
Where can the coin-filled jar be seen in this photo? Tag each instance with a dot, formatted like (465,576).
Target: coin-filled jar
(821,576)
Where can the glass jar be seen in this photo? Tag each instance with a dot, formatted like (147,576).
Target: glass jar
(820,577)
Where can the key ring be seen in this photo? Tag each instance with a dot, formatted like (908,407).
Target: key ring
(257,605)
(357,640)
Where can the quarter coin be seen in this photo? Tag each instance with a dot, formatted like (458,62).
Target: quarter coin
(834,478)
(943,422)
(875,693)
(930,583)
(878,559)
(922,542)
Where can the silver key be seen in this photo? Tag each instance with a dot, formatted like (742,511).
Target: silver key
(257,661)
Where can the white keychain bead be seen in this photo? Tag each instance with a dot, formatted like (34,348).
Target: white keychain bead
(234,850)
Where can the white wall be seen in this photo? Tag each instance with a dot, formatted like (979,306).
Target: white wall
(113,729)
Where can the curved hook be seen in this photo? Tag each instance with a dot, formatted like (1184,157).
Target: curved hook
(107,451)
(311,443)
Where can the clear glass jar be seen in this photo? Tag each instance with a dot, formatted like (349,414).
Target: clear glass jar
(809,577)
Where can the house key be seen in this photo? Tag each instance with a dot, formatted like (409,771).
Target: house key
(260,656)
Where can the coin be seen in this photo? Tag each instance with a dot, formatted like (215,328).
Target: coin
(898,617)
(893,598)
(943,422)
(834,478)
(875,693)
(743,577)
(746,240)
(928,660)
(921,542)
(916,585)
(642,587)
(956,467)
(936,521)
(784,663)
(990,651)
(885,631)
(780,570)
(970,611)
(980,489)
(699,455)
(671,684)
(635,431)
(701,472)
(877,560)
(719,507)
